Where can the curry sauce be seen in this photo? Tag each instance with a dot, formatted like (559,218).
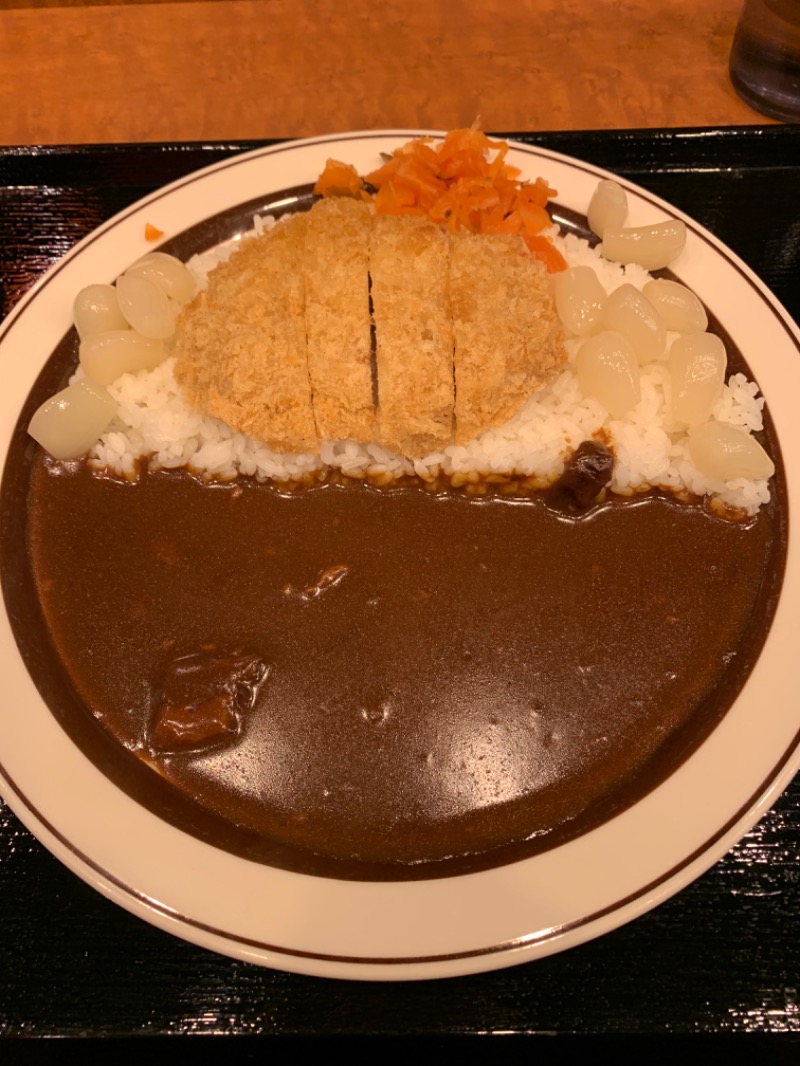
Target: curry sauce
(427,683)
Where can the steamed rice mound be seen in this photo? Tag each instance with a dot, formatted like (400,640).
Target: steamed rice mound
(156,424)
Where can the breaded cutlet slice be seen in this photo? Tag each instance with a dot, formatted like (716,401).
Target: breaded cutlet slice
(413,335)
(337,319)
(241,347)
(508,338)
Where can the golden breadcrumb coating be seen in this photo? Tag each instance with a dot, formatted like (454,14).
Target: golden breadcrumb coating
(508,339)
(337,319)
(241,347)
(413,335)
(280,345)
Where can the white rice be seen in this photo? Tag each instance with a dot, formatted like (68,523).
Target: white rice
(155,424)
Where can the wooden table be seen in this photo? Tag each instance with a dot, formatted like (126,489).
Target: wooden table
(86,72)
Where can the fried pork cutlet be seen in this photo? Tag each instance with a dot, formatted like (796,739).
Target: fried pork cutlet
(413,335)
(280,344)
(241,347)
(337,319)
(508,340)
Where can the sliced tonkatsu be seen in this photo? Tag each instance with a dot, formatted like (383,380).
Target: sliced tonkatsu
(340,324)
(508,340)
(337,318)
(241,349)
(413,335)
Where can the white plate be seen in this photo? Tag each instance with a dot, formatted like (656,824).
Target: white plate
(423,929)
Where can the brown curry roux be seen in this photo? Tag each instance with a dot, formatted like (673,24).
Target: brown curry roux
(382,684)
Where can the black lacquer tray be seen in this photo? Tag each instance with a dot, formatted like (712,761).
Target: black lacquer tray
(720,960)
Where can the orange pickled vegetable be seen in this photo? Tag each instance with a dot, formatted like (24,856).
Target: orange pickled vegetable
(152,233)
(463,182)
(339,179)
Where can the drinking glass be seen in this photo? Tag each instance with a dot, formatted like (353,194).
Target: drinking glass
(765,57)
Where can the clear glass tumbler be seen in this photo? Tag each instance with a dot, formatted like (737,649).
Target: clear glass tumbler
(765,57)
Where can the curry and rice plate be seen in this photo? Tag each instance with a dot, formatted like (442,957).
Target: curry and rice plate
(349,678)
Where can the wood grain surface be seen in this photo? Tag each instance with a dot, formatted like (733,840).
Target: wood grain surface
(95,72)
